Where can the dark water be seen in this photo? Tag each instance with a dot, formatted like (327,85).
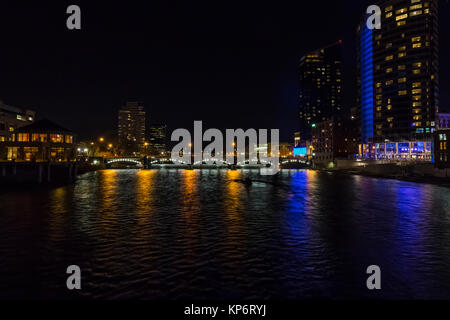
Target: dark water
(197,234)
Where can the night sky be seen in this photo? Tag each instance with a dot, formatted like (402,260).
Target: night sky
(227,63)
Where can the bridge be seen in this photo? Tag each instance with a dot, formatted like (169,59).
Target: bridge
(147,162)
(124,160)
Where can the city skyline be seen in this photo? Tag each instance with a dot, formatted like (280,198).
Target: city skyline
(250,71)
(225,153)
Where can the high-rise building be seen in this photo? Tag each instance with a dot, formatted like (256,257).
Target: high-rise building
(321,95)
(157,139)
(398,78)
(131,128)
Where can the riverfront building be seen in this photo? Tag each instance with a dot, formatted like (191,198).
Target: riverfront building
(131,128)
(398,81)
(441,141)
(320,87)
(334,139)
(42,140)
(12,118)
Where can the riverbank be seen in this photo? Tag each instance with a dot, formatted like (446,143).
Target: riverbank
(418,173)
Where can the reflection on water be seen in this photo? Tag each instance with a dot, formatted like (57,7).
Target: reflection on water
(183,234)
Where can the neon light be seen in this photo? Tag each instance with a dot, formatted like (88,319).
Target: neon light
(366,84)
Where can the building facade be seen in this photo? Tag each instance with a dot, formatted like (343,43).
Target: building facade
(12,118)
(321,94)
(334,139)
(157,140)
(131,128)
(441,141)
(40,141)
(398,79)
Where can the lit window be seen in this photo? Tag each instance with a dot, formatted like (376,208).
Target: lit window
(402,67)
(416,71)
(416,39)
(417,6)
(23,137)
(401,17)
(402,92)
(402,54)
(390,119)
(402,48)
(69,139)
(416,84)
(401,23)
(417,65)
(388,15)
(389,82)
(388,58)
(417,91)
(416,13)
(417,104)
(417,45)
(388,9)
(402,80)
(400,11)
(389,70)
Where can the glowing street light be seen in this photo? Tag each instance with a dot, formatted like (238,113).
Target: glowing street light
(102,139)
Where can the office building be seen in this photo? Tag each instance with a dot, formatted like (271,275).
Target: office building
(334,139)
(157,142)
(321,94)
(131,128)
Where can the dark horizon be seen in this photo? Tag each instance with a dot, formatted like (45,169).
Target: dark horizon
(231,66)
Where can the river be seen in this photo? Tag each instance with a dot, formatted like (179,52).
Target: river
(199,234)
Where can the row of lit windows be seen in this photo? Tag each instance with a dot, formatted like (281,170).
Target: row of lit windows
(37,137)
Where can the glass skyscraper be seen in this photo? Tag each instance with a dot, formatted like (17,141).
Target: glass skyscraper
(398,67)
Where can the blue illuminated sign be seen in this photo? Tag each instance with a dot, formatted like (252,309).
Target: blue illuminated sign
(301,151)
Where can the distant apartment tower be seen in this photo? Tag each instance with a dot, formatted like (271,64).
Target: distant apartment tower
(157,139)
(398,73)
(321,95)
(131,128)
(13,118)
